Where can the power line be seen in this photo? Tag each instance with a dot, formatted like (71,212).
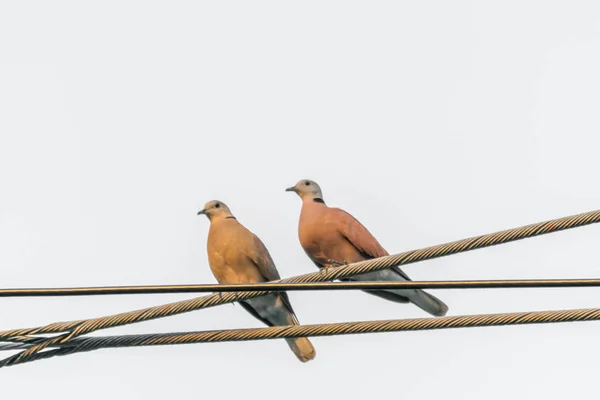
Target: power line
(332,329)
(307,286)
(78,328)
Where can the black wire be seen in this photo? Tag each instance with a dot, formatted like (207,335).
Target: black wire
(261,287)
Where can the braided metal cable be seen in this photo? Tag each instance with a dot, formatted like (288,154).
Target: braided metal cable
(78,328)
(292,331)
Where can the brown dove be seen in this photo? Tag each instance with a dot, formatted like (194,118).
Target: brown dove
(331,237)
(236,255)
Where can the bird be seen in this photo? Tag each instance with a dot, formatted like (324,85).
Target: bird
(236,255)
(331,237)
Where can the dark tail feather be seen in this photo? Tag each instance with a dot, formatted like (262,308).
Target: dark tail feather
(391,296)
(429,303)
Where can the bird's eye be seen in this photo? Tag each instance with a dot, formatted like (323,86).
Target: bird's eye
(217,205)
(307,183)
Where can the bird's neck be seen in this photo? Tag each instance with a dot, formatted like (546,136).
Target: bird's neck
(312,200)
(312,204)
(221,217)
(311,213)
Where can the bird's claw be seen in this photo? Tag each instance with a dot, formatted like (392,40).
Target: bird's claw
(335,263)
(220,294)
(331,264)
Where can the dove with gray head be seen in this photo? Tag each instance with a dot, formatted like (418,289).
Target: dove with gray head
(331,237)
(236,255)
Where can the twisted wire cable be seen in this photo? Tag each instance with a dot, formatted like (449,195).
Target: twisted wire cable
(78,328)
(25,342)
(332,329)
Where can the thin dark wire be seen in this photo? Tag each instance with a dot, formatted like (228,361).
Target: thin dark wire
(333,329)
(78,328)
(269,287)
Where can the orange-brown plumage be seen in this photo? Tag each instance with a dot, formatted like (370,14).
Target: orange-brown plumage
(236,255)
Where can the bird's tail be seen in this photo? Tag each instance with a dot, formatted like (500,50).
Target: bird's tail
(302,348)
(429,303)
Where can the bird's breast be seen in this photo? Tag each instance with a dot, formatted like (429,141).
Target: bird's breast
(316,232)
(228,260)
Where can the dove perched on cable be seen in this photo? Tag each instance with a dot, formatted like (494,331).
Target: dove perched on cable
(236,255)
(331,237)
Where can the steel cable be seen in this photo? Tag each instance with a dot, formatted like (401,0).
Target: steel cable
(81,327)
(292,331)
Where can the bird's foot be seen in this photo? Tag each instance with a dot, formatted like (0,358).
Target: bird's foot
(335,263)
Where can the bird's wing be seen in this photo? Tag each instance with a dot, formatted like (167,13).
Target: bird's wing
(360,237)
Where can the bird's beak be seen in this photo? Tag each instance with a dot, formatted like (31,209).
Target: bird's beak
(202,212)
(291,189)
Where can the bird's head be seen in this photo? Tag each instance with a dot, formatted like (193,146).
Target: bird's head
(215,209)
(307,190)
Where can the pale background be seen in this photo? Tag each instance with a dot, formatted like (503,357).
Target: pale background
(429,121)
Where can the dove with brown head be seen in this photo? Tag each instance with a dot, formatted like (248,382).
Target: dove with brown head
(236,255)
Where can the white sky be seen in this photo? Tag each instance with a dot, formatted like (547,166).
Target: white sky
(429,121)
